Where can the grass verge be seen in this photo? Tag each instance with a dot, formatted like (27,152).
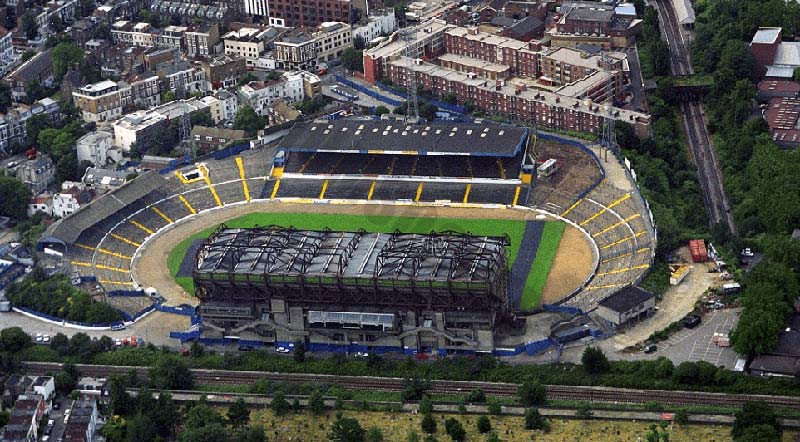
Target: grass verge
(537,278)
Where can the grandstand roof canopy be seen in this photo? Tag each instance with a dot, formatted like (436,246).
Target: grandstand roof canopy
(393,137)
(286,251)
(70,228)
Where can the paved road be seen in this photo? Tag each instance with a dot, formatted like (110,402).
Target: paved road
(637,82)
(154,328)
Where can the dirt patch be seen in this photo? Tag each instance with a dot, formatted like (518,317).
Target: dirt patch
(150,268)
(571,266)
(578,171)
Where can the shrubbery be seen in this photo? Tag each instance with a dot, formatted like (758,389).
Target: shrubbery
(55,296)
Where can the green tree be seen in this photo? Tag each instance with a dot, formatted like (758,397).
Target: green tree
(535,421)
(346,429)
(594,361)
(753,414)
(171,374)
(247,78)
(681,417)
(164,415)
(251,434)
(374,434)
(239,414)
(248,120)
(428,424)
(65,56)
(299,351)
(168,96)
(413,436)
(426,405)
(201,414)
(476,395)
(686,373)
(316,403)
(759,433)
(493,437)
(60,343)
(483,424)
(583,411)
(202,119)
(279,404)
(13,339)
(414,389)
(494,407)
(455,429)
(139,428)
(380,110)
(352,59)
(5,96)
(207,433)
(16,196)
(531,393)
(29,26)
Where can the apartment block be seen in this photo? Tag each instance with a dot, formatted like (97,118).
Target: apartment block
(299,13)
(102,101)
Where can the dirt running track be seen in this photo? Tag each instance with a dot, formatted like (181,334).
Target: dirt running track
(150,268)
(571,266)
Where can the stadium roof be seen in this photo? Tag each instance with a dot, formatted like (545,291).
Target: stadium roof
(396,137)
(70,228)
(280,251)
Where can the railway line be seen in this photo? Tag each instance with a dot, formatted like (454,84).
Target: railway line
(693,119)
(554,392)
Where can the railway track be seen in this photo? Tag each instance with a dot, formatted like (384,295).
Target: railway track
(693,119)
(554,392)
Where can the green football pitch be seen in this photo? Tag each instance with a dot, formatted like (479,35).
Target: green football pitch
(387,224)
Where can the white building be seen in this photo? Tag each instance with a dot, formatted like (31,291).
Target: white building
(45,386)
(7,56)
(230,104)
(377,25)
(303,50)
(261,94)
(104,179)
(247,43)
(136,34)
(132,127)
(68,202)
(41,203)
(94,146)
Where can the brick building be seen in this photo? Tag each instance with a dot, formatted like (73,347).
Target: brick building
(300,13)
(594,24)
(559,88)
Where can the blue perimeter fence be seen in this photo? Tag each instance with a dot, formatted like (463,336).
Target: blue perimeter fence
(174,164)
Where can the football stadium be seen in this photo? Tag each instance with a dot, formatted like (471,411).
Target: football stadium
(372,235)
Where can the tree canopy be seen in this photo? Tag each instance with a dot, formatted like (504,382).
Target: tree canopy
(248,120)
(16,196)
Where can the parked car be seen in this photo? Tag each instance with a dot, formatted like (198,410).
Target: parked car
(691,321)
(282,350)
(246,348)
(118,326)
(652,348)
(361,354)
(747,252)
